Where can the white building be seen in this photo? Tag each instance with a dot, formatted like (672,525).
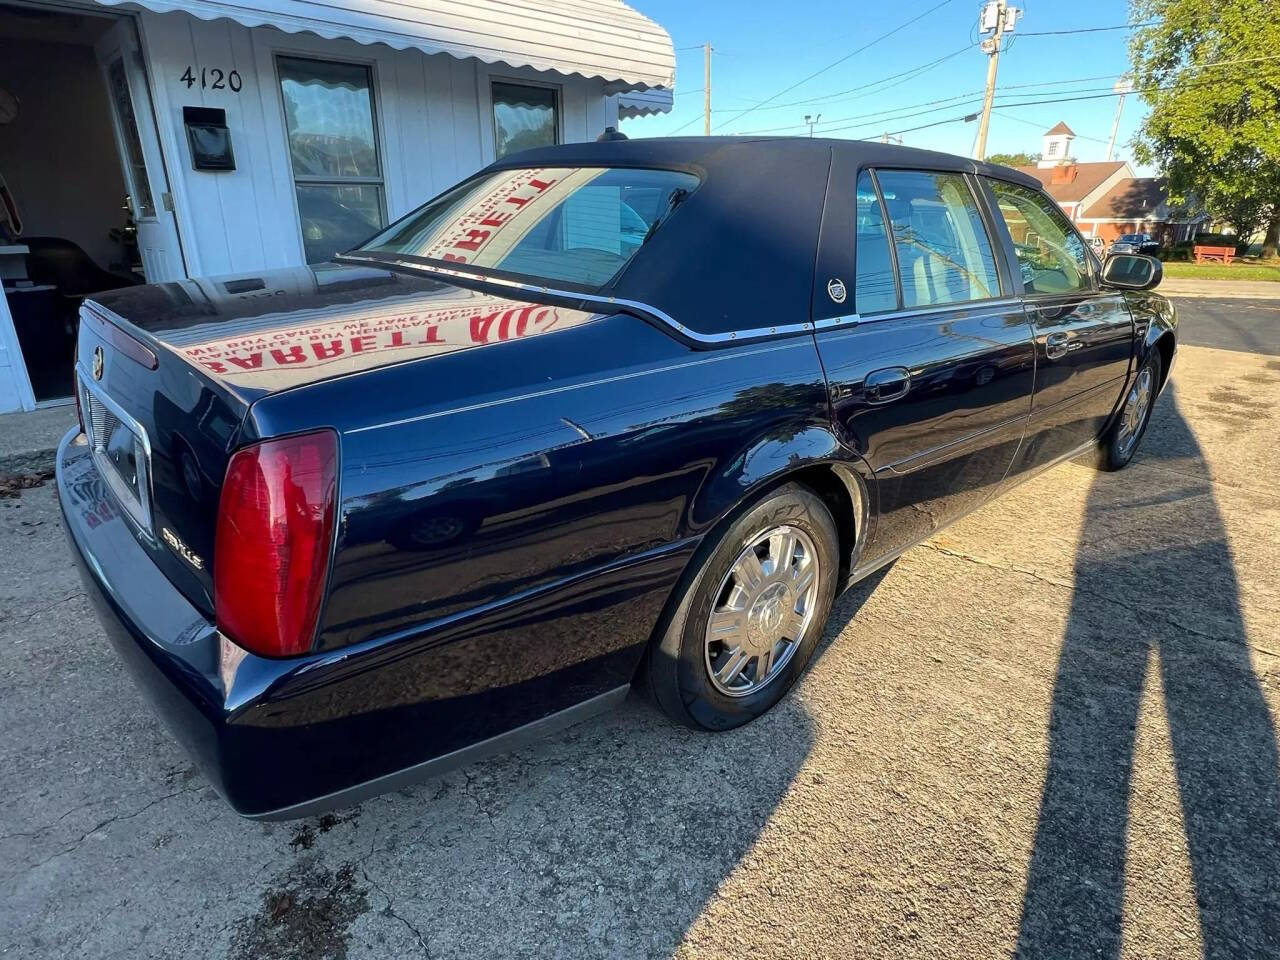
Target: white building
(238,135)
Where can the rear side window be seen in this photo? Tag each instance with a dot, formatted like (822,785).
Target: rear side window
(1050,253)
(876,290)
(944,253)
(565,225)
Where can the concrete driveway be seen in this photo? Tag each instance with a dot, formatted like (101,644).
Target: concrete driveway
(1051,730)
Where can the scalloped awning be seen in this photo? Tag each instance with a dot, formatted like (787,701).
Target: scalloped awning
(644,103)
(592,38)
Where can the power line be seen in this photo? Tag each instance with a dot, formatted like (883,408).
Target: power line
(1039,125)
(1059,33)
(836,63)
(1007,102)
(910,74)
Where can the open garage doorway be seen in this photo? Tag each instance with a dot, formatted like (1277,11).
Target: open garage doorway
(84,201)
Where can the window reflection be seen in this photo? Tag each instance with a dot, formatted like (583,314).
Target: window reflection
(523,117)
(334,154)
(1050,253)
(876,290)
(944,253)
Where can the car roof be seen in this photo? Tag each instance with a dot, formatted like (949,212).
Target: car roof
(739,252)
(679,152)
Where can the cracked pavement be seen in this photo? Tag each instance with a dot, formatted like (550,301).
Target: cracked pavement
(1049,731)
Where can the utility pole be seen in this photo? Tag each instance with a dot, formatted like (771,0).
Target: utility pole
(1123,86)
(706,89)
(811,120)
(996,18)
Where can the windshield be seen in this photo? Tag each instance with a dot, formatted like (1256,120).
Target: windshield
(575,225)
(1129,238)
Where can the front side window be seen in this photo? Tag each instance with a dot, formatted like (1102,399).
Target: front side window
(1050,254)
(333,149)
(571,225)
(944,253)
(523,117)
(876,290)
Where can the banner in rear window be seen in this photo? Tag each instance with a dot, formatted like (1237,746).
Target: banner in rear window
(561,225)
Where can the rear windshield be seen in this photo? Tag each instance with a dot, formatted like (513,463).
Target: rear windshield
(571,225)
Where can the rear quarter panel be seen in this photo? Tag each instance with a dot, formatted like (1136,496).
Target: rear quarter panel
(513,520)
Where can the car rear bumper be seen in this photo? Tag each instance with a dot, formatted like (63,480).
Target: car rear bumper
(288,738)
(168,646)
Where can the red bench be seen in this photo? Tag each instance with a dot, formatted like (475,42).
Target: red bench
(1219,254)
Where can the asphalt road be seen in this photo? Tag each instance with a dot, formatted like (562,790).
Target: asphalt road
(1251,326)
(1047,732)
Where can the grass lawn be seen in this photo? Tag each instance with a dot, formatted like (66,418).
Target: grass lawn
(1218,271)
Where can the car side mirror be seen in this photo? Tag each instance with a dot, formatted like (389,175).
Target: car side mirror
(1132,271)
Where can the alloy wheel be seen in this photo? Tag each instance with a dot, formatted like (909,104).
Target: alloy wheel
(763,607)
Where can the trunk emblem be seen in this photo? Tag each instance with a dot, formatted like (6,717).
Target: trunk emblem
(98,361)
(181,549)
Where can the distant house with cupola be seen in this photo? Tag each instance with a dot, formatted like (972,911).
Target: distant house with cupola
(1106,198)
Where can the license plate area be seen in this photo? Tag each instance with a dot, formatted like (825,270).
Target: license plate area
(121,451)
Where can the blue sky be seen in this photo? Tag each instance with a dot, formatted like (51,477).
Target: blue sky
(763,49)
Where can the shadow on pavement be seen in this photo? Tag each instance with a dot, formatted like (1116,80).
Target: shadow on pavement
(607,840)
(1165,559)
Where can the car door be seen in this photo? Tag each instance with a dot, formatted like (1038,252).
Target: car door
(1083,333)
(931,378)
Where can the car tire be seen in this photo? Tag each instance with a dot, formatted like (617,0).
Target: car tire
(1122,438)
(691,669)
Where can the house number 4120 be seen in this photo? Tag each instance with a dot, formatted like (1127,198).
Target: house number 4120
(211,78)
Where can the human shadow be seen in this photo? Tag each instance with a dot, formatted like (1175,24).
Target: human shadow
(1156,590)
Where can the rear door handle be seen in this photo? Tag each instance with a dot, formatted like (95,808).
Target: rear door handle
(884,386)
(1056,345)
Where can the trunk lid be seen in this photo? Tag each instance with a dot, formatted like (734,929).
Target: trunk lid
(167,376)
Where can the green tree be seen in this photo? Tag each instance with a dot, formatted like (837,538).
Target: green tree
(1210,70)
(1014,159)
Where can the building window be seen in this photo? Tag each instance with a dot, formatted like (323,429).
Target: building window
(524,117)
(1052,150)
(333,148)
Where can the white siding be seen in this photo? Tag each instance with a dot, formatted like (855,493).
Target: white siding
(435,127)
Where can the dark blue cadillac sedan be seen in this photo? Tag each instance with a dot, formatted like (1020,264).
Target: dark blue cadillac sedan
(601,415)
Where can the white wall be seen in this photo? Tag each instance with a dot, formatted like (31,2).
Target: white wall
(434,123)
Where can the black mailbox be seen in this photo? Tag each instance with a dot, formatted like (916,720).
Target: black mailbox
(209,138)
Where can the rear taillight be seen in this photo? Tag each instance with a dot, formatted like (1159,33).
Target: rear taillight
(275,530)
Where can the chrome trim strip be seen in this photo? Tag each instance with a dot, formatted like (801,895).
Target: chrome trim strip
(978,308)
(596,299)
(409,776)
(147,521)
(710,339)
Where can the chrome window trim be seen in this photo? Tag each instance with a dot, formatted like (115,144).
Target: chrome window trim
(981,307)
(709,339)
(592,298)
(145,522)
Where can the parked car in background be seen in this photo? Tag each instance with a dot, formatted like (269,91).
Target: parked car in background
(1142,243)
(350,525)
(1099,246)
